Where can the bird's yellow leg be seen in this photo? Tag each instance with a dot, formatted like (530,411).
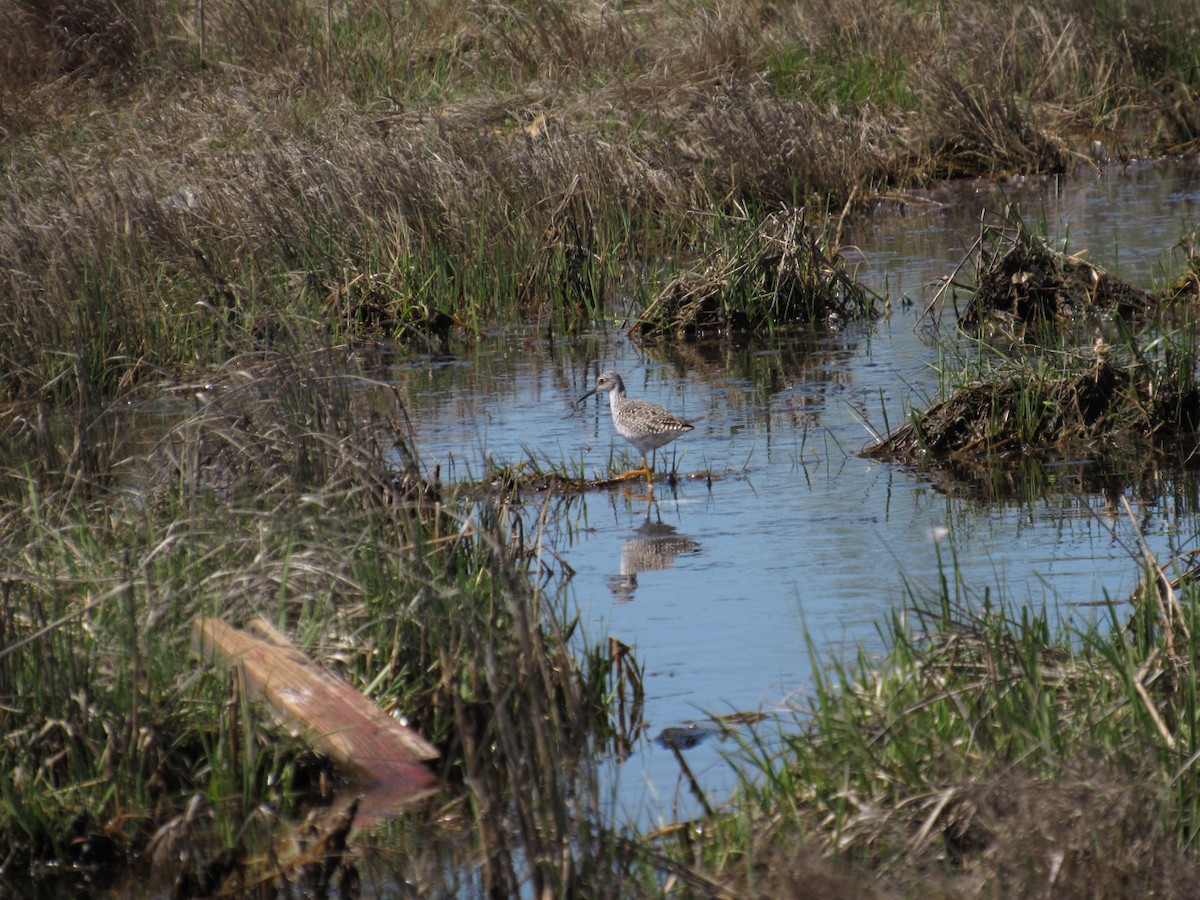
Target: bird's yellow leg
(633,473)
(646,469)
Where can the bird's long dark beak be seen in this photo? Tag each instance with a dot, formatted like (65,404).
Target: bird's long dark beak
(585,396)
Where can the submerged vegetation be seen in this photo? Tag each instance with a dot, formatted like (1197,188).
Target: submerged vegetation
(210,210)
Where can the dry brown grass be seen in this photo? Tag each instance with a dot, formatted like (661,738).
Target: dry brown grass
(1084,836)
(1096,836)
(406,176)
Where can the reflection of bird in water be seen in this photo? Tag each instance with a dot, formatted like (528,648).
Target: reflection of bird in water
(646,425)
(652,550)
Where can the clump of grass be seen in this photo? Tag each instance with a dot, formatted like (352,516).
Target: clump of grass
(782,273)
(1098,402)
(1186,287)
(1024,91)
(1021,282)
(992,750)
(291,492)
(84,41)
(1092,404)
(990,133)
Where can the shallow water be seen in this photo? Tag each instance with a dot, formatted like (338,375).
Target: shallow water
(717,581)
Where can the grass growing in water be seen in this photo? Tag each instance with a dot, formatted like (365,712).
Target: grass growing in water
(184,196)
(288,495)
(992,750)
(1094,405)
(1042,394)
(780,273)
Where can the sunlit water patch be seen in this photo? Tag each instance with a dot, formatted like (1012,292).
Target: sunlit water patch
(787,531)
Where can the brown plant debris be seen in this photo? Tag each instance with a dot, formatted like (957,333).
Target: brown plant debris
(1021,279)
(1186,287)
(1093,836)
(1103,408)
(782,273)
(971,130)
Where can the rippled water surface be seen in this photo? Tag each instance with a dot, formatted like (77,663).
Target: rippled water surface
(717,582)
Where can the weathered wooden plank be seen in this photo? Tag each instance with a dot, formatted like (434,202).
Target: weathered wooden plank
(336,719)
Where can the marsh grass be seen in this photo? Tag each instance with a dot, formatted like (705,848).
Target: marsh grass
(1023,386)
(1186,287)
(1099,403)
(196,210)
(178,190)
(290,492)
(558,482)
(992,749)
(781,272)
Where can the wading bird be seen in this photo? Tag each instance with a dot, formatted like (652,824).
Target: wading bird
(645,425)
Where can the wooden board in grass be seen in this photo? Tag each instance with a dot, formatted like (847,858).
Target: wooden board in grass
(358,736)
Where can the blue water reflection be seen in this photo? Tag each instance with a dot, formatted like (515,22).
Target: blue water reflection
(787,531)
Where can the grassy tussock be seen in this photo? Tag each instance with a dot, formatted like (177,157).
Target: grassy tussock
(783,272)
(1098,407)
